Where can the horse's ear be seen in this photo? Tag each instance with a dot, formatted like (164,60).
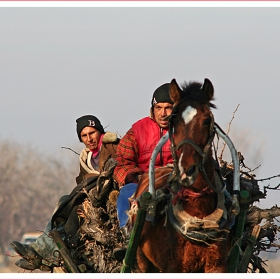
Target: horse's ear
(175,92)
(208,89)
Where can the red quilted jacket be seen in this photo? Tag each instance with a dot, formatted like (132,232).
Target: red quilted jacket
(135,150)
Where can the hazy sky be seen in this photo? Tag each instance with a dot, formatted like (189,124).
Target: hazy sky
(57,64)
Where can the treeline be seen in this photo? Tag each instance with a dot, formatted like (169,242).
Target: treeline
(30,185)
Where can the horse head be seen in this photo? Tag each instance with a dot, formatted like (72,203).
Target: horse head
(191,131)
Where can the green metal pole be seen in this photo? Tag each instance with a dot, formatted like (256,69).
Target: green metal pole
(243,266)
(234,257)
(129,259)
(71,267)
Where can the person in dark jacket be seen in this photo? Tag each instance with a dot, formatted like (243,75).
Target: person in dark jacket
(134,152)
(95,159)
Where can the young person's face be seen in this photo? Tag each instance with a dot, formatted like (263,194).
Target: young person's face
(161,111)
(90,137)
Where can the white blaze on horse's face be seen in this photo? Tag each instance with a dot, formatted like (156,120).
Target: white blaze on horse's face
(189,114)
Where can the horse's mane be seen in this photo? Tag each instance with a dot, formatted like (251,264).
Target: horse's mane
(192,90)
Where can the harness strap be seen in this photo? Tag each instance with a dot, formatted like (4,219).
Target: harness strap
(204,236)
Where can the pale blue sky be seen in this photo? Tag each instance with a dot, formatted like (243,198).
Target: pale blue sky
(57,64)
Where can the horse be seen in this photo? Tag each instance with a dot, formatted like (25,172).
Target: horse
(186,234)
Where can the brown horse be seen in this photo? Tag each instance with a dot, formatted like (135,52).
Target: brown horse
(186,234)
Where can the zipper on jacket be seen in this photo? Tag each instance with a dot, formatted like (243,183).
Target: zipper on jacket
(161,156)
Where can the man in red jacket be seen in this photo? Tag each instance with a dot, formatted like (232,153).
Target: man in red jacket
(135,150)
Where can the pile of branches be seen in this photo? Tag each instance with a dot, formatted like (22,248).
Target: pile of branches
(265,218)
(98,235)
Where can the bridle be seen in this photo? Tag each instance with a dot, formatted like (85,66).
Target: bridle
(199,232)
(203,153)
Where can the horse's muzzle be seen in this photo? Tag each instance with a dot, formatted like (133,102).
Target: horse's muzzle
(188,177)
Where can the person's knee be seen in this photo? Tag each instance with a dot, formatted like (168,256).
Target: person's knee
(123,203)
(128,189)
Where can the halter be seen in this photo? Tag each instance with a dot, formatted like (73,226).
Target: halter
(207,229)
(202,153)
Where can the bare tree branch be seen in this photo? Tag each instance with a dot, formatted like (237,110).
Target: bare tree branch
(70,150)
(221,156)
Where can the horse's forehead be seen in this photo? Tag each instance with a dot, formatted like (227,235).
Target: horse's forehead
(193,109)
(188,114)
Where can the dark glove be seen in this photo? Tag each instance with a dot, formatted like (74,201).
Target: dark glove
(98,197)
(107,173)
(104,183)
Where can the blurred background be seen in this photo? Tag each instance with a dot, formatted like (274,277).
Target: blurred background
(57,64)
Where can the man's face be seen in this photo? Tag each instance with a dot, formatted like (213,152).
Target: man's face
(90,137)
(161,111)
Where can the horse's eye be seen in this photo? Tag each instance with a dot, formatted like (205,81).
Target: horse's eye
(207,121)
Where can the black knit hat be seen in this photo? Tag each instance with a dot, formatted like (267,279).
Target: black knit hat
(161,94)
(88,120)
